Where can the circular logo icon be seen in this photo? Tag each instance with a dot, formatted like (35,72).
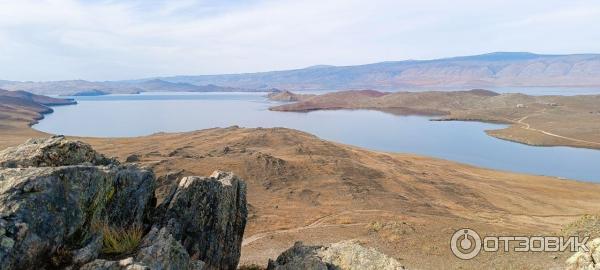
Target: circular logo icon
(465,244)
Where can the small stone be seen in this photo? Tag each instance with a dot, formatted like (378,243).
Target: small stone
(132,158)
(126,261)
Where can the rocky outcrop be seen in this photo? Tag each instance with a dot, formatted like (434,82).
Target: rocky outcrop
(210,229)
(54,194)
(52,152)
(351,255)
(586,260)
(45,210)
(345,255)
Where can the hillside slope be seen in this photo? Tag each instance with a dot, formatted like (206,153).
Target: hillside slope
(303,188)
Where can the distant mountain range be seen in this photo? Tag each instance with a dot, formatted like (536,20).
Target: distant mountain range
(500,69)
(87,88)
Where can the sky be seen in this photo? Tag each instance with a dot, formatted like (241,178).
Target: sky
(129,39)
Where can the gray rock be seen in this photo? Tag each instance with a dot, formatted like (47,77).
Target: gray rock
(133,200)
(89,252)
(132,158)
(45,208)
(208,216)
(350,255)
(125,264)
(345,255)
(299,257)
(160,251)
(47,213)
(51,152)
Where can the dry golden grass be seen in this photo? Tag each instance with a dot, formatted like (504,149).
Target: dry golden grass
(587,225)
(120,240)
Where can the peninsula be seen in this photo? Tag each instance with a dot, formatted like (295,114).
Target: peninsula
(535,120)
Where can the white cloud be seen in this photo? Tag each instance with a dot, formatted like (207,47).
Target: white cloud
(98,40)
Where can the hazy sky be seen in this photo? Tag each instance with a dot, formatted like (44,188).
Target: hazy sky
(108,40)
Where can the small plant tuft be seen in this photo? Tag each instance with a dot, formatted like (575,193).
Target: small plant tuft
(120,240)
(61,257)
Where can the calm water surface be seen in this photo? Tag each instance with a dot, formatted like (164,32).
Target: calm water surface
(134,115)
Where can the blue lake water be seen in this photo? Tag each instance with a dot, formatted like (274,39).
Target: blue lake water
(135,115)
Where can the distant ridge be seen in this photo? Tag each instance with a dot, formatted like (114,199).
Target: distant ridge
(497,69)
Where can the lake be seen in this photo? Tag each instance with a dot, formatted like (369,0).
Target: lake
(466,142)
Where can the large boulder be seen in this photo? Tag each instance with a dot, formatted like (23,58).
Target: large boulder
(161,251)
(43,209)
(51,152)
(208,216)
(51,209)
(345,255)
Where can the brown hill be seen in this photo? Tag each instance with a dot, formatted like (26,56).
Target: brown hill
(303,188)
(39,99)
(19,110)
